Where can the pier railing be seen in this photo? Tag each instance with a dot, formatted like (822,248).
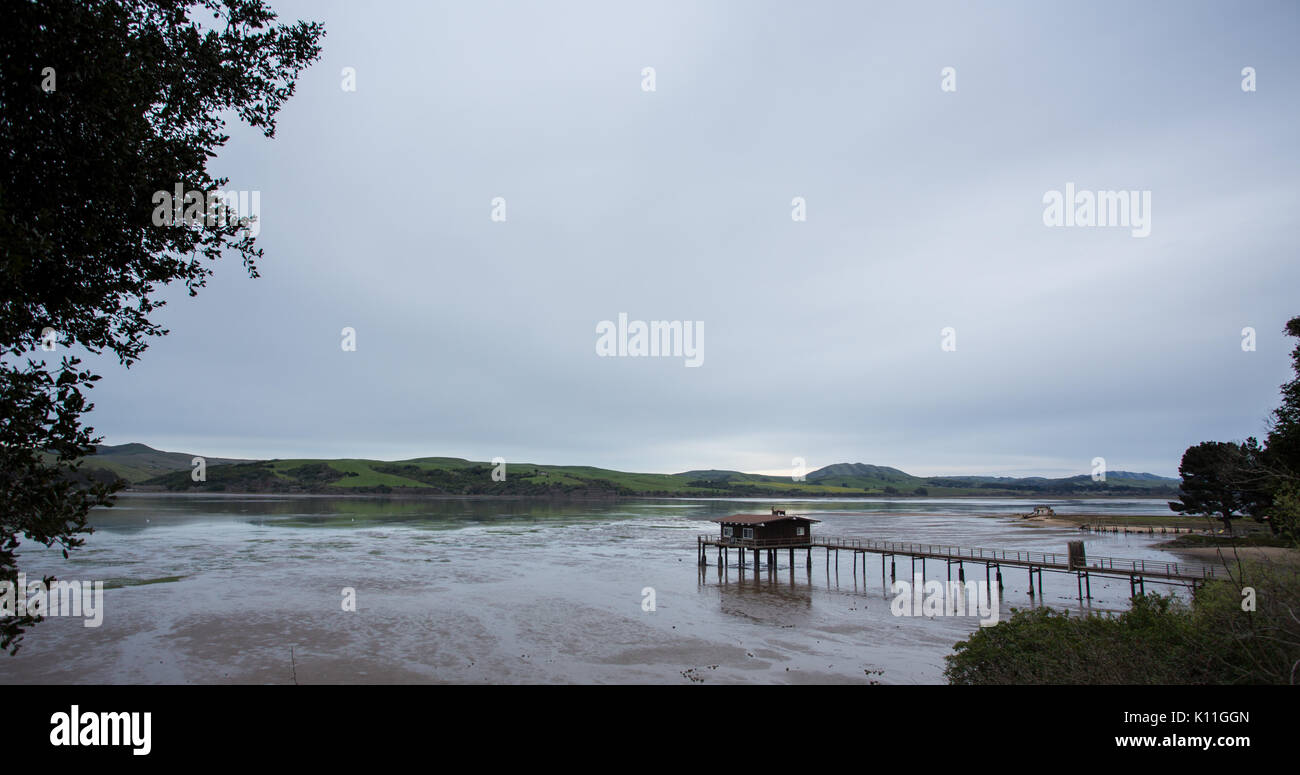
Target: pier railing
(945,551)
(1021,557)
(1053,560)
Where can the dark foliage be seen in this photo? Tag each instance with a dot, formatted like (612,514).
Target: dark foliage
(1222,479)
(139,91)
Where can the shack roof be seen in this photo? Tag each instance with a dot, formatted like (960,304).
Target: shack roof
(758,519)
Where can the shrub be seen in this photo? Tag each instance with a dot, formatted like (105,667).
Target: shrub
(1159,640)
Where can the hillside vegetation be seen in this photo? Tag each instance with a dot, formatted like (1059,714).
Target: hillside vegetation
(146,468)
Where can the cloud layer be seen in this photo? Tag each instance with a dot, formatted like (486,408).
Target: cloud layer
(477,338)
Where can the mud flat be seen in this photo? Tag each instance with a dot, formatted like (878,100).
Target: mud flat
(232,589)
(1140,522)
(1230,554)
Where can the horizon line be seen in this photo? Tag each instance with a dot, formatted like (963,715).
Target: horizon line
(786,472)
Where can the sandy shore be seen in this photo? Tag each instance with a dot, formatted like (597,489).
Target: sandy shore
(1134,522)
(1131,521)
(1217,554)
(1049,522)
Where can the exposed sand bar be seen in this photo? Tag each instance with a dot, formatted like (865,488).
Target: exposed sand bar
(1140,522)
(1230,554)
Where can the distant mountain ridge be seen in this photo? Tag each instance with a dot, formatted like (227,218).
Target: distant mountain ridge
(137,462)
(884,473)
(1109,475)
(144,467)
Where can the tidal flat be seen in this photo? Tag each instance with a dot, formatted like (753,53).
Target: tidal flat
(253,589)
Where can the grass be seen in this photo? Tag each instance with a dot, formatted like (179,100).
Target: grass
(1250,539)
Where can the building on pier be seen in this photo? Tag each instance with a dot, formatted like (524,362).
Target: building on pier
(774,530)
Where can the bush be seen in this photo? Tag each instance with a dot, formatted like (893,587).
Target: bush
(1159,640)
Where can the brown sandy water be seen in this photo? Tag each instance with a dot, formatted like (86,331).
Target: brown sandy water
(208,589)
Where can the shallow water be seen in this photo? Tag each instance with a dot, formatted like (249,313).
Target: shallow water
(222,589)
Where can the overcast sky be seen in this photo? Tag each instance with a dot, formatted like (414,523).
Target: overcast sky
(822,338)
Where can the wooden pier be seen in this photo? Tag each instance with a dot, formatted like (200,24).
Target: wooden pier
(1136,571)
(1101,527)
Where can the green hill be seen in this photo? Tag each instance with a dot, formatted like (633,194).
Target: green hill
(147,468)
(137,463)
(866,477)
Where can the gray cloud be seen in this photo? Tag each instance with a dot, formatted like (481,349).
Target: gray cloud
(477,339)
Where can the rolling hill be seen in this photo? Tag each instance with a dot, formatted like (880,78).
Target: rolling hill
(138,462)
(145,468)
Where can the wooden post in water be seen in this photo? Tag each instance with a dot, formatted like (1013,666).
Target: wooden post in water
(1077,562)
(1078,558)
(1031,581)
